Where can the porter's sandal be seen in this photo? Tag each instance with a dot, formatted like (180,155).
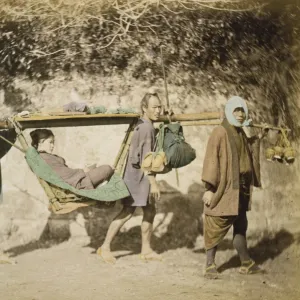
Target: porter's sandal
(151,256)
(4,259)
(211,272)
(250,267)
(106,256)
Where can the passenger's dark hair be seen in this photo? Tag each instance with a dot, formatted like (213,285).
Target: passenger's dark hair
(39,134)
(145,100)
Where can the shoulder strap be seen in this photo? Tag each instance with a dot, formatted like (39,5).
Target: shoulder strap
(160,138)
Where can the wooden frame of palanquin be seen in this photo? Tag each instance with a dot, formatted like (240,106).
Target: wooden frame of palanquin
(55,195)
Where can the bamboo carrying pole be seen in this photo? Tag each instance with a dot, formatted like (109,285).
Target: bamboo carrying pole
(168,112)
(117,159)
(217,122)
(123,154)
(123,161)
(197,123)
(195,119)
(40,121)
(270,127)
(165,80)
(10,143)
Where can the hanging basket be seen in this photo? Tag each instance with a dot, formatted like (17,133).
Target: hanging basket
(282,151)
(269,154)
(289,154)
(278,152)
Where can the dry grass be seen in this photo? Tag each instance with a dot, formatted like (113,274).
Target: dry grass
(77,12)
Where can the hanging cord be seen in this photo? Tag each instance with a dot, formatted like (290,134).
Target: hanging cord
(122,157)
(285,140)
(169,112)
(282,140)
(165,83)
(19,131)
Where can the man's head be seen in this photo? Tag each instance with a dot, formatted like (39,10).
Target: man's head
(151,106)
(236,111)
(239,114)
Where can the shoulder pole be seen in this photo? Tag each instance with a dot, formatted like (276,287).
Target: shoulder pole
(167,99)
(165,83)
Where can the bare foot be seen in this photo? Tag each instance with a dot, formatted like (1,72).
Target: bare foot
(151,256)
(106,255)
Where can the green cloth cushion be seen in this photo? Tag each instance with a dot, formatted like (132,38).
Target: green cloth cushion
(114,190)
(97,110)
(122,110)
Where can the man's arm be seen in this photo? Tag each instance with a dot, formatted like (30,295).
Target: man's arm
(211,164)
(154,188)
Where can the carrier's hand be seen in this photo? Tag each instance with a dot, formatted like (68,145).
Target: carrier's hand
(248,129)
(264,131)
(154,188)
(154,191)
(207,197)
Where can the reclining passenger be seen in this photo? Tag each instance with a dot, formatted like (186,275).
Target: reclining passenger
(87,178)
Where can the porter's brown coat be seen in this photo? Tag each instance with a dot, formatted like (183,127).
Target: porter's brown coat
(221,170)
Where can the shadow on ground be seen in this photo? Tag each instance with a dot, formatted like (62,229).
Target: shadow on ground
(182,231)
(185,226)
(267,248)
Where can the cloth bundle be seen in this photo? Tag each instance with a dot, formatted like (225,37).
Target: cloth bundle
(75,106)
(172,150)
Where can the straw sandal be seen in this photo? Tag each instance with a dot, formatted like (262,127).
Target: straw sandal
(151,256)
(250,267)
(211,272)
(110,259)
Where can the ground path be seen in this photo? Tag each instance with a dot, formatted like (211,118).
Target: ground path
(72,271)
